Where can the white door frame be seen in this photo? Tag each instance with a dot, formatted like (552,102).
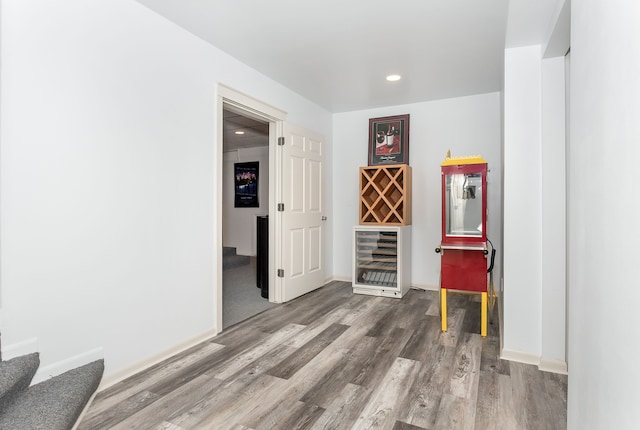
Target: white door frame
(259,110)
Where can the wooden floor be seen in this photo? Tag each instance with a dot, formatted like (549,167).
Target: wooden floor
(335,360)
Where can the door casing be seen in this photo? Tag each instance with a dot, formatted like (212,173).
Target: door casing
(227,97)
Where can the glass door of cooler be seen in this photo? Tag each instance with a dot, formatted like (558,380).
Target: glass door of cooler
(376,260)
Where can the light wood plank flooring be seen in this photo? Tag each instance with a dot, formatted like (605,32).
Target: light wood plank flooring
(335,360)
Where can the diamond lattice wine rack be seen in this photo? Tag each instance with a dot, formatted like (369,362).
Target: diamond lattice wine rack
(385,195)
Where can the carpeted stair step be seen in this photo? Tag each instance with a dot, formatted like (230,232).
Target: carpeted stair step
(235,261)
(230,259)
(54,404)
(15,376)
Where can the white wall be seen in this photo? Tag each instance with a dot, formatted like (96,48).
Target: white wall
(522,202)
(535,199)
(553,212)
(603,262)
(239,225)
(107,179)
(466,125)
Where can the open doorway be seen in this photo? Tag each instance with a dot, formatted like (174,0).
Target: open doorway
(295,204)
(245,204)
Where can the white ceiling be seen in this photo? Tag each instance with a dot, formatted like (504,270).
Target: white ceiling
(254,132)
(337,53)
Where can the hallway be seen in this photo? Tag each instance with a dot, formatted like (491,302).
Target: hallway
(241,298)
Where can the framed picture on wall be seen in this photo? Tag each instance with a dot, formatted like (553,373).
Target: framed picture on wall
(389,140)
(246,184)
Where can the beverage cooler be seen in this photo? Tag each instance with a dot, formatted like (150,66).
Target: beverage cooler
(381,264)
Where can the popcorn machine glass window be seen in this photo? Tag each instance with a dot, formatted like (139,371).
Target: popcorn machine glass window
(463,203)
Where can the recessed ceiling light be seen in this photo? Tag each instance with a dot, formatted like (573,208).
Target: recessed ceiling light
(393,78)
(239,132)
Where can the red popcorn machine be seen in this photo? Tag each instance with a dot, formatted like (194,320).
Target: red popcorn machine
(464,247)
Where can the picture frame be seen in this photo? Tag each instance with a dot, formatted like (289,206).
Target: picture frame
(246,184)
(389,140)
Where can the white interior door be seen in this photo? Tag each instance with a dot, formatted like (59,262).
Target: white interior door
(302,218)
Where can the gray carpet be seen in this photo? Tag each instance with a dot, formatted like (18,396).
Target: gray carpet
(241,297)
(15,376)
(54,404)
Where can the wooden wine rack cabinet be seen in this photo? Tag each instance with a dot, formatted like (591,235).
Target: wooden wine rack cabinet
(385,195)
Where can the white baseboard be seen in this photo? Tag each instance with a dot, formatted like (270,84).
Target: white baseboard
(546,365)
(21,348)
(520,357)
(337,278)
(84,411)
(554,366)
(54,369)
(123,374)
(425,287)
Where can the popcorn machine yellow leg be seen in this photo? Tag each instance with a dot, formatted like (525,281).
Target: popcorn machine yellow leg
(443,308)
(483,328)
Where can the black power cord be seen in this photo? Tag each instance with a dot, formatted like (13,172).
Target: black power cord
(493,256)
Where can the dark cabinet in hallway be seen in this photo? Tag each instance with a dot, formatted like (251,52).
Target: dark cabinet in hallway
(262,257)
